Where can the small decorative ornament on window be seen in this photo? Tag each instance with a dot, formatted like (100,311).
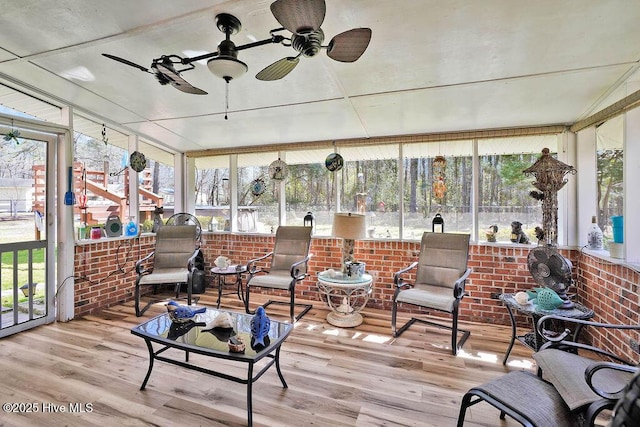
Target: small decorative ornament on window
(278,170)
(334,162)
(439,187)
(258,187)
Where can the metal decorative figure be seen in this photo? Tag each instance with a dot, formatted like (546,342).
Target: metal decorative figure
(550,175)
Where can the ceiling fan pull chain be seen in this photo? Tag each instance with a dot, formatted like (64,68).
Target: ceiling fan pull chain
(226,98)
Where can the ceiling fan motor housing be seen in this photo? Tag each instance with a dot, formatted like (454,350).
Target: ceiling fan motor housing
(308,43)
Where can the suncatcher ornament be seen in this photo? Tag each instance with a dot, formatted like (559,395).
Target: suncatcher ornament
(439,187)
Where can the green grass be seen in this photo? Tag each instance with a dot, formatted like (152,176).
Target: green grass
(38,265)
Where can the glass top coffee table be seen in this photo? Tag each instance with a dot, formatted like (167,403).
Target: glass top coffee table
(194,336)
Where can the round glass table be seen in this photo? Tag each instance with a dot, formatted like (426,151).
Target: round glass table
(346,296)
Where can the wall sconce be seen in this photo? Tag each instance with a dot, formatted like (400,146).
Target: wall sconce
(437,225)
(349,227)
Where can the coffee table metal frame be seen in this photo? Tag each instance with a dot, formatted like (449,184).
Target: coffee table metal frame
(151,331)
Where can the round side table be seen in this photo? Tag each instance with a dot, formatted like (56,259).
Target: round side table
(346,296)
(220,275)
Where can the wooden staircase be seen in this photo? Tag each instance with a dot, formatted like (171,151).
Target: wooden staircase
(101,202)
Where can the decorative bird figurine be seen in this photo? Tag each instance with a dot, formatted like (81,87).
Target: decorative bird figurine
(259,329)
(182,313)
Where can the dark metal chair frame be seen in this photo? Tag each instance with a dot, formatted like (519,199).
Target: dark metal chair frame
(144,268)
(458,293)
(298,272)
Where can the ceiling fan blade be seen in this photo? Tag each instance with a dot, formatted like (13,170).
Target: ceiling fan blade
(127,62)
(299,15)
(176,80)
(278,69)
(350,45)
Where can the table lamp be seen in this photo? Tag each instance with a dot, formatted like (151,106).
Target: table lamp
(349,227)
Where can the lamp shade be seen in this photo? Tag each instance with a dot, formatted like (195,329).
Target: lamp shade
(227,67)
(349,226)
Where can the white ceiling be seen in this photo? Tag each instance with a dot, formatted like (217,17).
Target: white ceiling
(431,66)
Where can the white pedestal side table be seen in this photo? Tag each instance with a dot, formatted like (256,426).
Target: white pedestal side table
(346,296)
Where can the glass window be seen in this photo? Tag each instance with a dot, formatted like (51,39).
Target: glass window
(212,192)
(610,156)
(257,193)
(310,188)
(369,185)
(437,180)
(99,165)
(155,184)
(504,191)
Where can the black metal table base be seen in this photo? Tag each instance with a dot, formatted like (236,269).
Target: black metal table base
(533,339)
(249,380)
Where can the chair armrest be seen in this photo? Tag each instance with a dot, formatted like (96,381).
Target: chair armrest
(458,286)
(597,366)
(139,264)
(295,269)
(397,277)
(562,343)
(191,262)
(251,264)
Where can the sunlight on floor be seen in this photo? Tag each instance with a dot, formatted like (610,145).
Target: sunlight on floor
(522,363)
(480,356)
(380,339)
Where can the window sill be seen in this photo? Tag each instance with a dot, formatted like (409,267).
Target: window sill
(605,256)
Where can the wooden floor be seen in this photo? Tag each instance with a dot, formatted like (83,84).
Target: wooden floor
(336,377)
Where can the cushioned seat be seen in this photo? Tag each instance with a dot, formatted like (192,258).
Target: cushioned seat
(173,262)
(440,275)
(288,266)
(524,397)
(566,372)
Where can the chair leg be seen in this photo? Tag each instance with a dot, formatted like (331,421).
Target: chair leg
(455,345)
(394,313)
(246,301)
(294,319)
(137,301)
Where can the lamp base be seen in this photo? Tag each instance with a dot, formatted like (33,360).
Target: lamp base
(348,247)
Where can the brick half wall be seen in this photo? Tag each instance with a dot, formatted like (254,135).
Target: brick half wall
(107,277)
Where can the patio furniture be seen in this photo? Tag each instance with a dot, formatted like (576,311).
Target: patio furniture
(570,389)
(441,272)
(288,265)
(194,336)
(173,263)
(584,384)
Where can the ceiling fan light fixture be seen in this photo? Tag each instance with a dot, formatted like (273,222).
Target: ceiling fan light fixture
(227,67)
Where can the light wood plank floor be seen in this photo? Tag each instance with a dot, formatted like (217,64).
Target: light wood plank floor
(336,377)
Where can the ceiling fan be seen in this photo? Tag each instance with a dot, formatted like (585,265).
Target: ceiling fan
(302,18)
(164,70)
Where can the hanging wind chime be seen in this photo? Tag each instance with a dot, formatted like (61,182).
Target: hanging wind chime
(439,187)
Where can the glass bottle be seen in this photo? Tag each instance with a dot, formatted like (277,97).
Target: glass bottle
(594,237)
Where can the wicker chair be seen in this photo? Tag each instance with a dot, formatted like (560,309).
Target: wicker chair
(440,278)
(288,266)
